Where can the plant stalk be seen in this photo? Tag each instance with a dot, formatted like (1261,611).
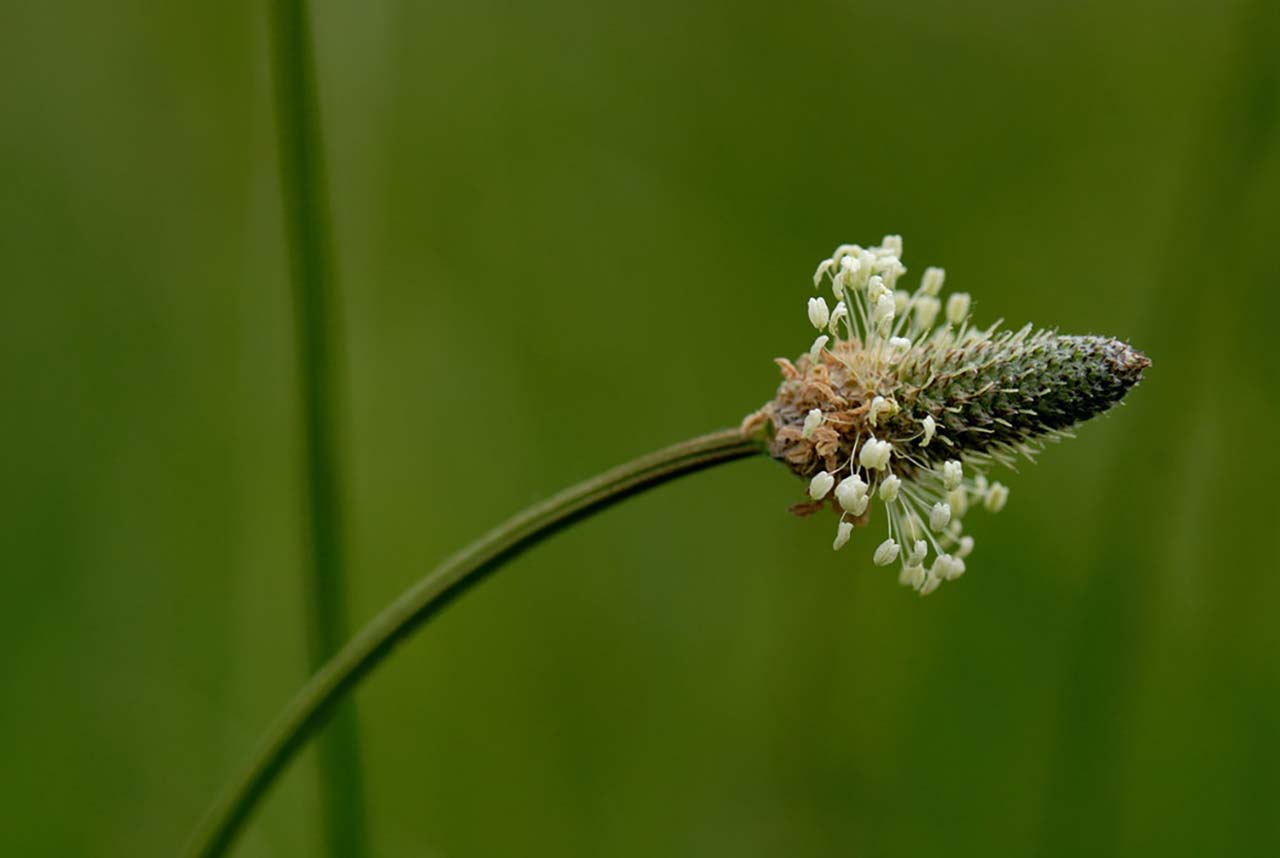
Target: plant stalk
(307,229)
(317,699)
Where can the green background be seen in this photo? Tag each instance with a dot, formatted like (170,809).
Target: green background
(566,234)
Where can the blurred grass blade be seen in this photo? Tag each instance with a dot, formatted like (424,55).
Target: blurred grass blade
(307,228)
(397,621)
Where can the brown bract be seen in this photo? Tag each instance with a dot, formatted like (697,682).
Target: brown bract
(830,386)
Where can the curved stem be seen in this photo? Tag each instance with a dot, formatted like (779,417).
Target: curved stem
(307,228)
(397,621)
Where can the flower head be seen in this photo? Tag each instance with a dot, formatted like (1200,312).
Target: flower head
(894,407)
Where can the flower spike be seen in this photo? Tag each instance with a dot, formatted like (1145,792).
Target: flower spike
(895,403)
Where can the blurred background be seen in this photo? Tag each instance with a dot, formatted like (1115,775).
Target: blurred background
(567,234)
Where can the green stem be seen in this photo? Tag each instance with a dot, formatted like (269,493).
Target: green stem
(419,603)
(307,227)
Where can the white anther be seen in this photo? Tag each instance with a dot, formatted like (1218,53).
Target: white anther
(930,428)
(866,260)
(819,315)
(840,312)
(889,488)
(997,495)
(931,282)
(842,535)
(966,547)
(815,350)
(947,568)
(823,268)
(886,553)
(882,313)
(919,550)
(901,298)
(820,485)
(843,252)
(939,515)
(852,494)
(812,421)
(926,308)
(910,573)
(875,454)
(893,269)
(957,307)
(880,405)
(893,244)
(876,289)
(952,474)
(931,582)
(959,500)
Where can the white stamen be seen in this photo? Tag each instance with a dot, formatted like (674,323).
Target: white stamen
(996,497)
(926,309)
(823,267)
(889,488)
(820,485)
(952,474)
(812,421)
(901,298)
(875,454)
(852,494)
(880,405)
(882,315)
(910,574)
(816,349)
(939,515)
(866,259)
(946,567)
(959,500)
(840,312)
(957,307)
(919,550)
(843,252)
(931,582)
(931,282)
(886,553)
(876,289)
(893,244)
(819,315)
(930,428)
(842,535)
(966,547)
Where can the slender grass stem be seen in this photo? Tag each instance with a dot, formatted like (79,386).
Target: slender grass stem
(317,699)
(307,228)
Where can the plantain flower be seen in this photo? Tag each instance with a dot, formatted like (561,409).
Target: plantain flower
(893,407)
